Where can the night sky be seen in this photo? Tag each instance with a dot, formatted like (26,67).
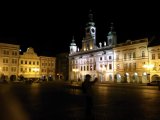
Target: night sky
(49,27)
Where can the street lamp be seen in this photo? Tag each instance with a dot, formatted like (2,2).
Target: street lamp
(148,67)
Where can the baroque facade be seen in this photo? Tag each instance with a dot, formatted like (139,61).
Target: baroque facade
(134,61)
(29,64)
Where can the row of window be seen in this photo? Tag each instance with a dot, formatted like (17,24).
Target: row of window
(130,55)
(154,56)
(88,68)
(30,62)
(104,66)
(129,66)
(105,58)
(126,55)
(6,52)
(49,64)
(84,61)
(23,70)
(14,61)
(5,69)
(126,66)
(93,67)
(6,60)
(35,63)
(28,70)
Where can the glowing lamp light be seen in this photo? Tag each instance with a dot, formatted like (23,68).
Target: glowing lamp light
(75,70)
(148,66)
(36,69)
(144,73)
(135,74)
(119,75)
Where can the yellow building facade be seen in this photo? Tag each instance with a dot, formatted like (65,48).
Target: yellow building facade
(47,67)
(33,66)
(9,56)
(29,64)
(130,59)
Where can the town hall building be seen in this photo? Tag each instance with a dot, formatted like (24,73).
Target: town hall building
(134,61)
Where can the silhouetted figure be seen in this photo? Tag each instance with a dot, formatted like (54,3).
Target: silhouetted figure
(87,90)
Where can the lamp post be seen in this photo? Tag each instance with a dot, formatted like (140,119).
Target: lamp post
(148,67)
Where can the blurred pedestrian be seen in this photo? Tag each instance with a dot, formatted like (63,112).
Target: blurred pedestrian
(88,92)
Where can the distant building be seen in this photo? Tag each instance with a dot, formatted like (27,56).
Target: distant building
(62,66)
(29,64)
(47,67)
(9,57)
(33,66)
(131,62)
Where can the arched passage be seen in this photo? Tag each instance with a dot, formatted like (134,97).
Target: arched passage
(155,77)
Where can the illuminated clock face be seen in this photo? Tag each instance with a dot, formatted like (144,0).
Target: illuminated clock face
(93,30)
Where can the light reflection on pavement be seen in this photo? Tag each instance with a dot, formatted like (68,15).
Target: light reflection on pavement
(12,109)
(54,102)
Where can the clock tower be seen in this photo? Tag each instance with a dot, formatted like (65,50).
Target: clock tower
(112,37)
(89,42)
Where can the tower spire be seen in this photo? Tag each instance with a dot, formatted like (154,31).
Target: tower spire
(90,19)
(111,27)
(90,16)
(89,42)
(112,37)
(73,39)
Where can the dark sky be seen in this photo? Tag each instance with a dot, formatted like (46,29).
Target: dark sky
(48,27)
